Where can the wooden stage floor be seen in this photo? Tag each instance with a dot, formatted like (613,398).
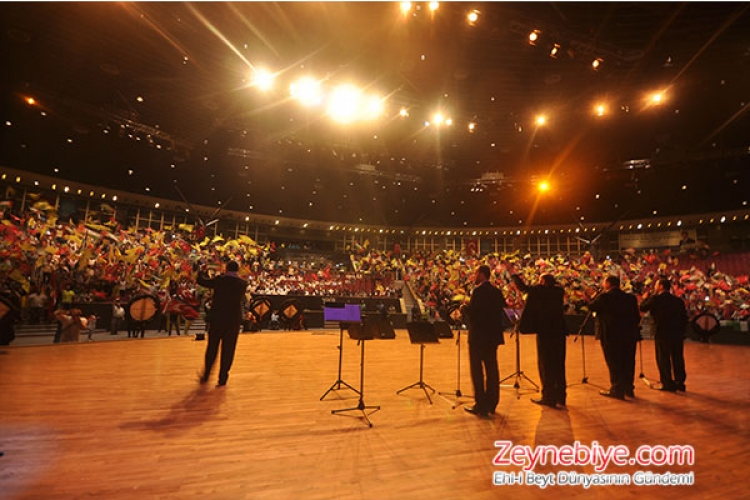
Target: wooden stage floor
(127,419)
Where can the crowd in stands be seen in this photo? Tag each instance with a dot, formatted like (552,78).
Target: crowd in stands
(50,264)
(441,278)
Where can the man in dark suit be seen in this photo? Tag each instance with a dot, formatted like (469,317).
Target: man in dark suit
(225,319)
(670,321)
(619,329)
(486,313)
(544,316)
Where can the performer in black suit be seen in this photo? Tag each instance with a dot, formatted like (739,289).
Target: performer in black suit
(486,313)
(226,318)
(670,320)
(619,329)
(544,316)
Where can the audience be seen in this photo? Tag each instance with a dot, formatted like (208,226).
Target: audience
(52,265)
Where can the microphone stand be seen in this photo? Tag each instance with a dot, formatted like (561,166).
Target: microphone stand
(458,395)
(585,379)
(519,376)
(642,376)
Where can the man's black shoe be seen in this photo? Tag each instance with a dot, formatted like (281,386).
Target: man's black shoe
(475,411)
(667,388)
(681,387)
(612,394)
(543,402)
(630,393)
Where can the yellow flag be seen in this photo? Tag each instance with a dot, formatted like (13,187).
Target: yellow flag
(247,239)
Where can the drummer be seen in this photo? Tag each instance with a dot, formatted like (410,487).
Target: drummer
(72,324)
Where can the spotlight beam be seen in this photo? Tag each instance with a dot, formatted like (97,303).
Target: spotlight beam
(219,35)
(711,40)
(255,31)
(726,124)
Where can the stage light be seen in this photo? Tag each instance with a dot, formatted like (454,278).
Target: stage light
(403,113)
(30,101)
(263,79)
(434,6)
(534,36)
(555,50)
(405,7)
(541,120)
(438,119)
(449,121)
(472,127)
(657,98)
(543,186)
(343,103)
(473,16)
(601,110)
(596,63)
(374,108)
(306,90)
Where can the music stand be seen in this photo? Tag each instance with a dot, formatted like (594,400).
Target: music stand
(346,316)
(421,333)
(361,336)
(456,319)
(519,376)
(585,379)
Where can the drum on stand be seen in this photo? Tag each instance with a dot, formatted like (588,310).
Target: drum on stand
(260,308)
(291,309)
(143,308)
(455,316)
(6,306)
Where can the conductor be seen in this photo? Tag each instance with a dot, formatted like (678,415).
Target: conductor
(225,319)
(486,312)
(670,319)
(544,316)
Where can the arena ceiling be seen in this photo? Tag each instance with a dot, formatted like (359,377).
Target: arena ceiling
(146,96)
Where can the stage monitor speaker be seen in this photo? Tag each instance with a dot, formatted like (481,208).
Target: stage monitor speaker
(443,330)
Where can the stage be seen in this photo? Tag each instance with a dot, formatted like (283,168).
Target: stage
(127,419)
